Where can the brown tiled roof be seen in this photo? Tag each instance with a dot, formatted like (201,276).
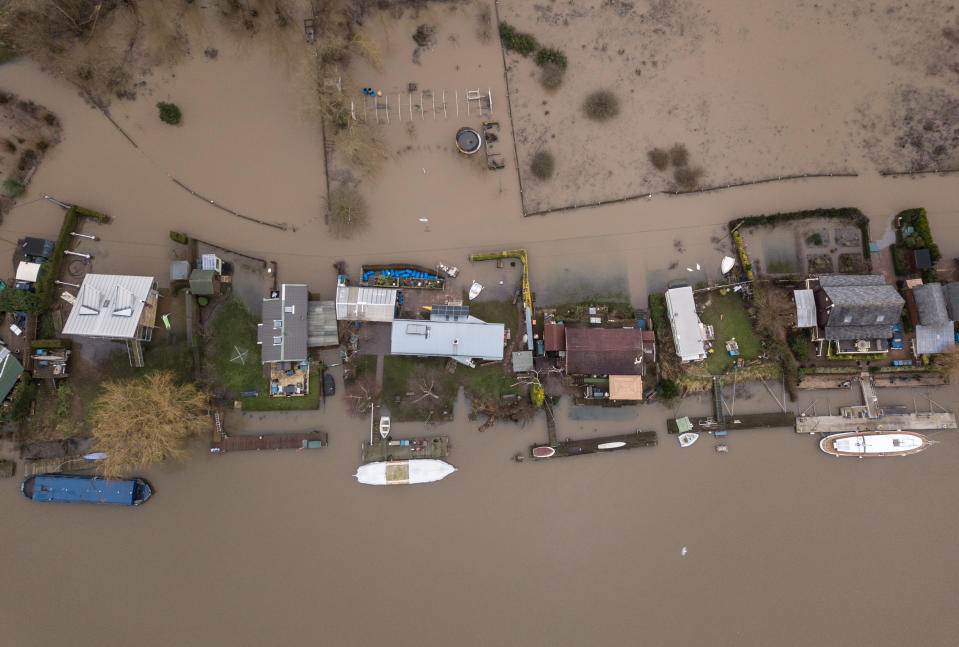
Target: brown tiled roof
(604,351)
(554,337)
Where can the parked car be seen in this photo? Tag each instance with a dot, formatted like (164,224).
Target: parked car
(329,386)
(896,342)
(902,362)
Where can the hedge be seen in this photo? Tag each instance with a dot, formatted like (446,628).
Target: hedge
(657,312)
(851,213)
(44,286)
(51,343)
(177,237)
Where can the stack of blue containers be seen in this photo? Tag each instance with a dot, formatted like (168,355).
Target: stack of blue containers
(411,274)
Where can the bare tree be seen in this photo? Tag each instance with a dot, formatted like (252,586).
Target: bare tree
(146,420)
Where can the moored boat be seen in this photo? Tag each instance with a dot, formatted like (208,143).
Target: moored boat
(384,426)
(687,439)
(475,290)
(543,452)
(727,264)
(79,488)
(875,443)
(417,470)
(613,445)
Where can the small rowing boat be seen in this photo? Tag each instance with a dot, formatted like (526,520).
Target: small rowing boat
(687,439)
(543,452)
(613,445)
(875,443)
(475,290)
(384,426)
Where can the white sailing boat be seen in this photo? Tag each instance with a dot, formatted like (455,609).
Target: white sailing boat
(417,470)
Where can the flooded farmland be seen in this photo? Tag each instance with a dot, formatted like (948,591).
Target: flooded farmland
(786,546)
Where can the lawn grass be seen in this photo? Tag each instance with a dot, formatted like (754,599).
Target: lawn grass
(398,374)
(234,329)
(486,382)
(729,319)
(503,312)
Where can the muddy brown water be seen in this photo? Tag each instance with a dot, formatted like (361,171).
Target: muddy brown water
(786,546)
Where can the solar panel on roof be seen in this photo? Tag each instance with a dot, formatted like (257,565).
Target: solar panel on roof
(449,313)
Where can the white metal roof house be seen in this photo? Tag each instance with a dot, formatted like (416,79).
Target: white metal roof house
(463,341)
(805,308)
(687,328)
(354,303)
(116,307)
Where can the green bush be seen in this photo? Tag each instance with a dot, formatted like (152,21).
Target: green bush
(549,55)
(13,187)
(929,275)
(517,41)
(18,404)
(102,218)
(657,312)
(64,406)
(601,105)
(668,389)
(177,237)
(543,165)
(799,345)
(815,239)
(51,343)
(169,113)
(918,220)
(13,299)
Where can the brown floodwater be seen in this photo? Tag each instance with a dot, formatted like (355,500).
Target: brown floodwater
(786,546)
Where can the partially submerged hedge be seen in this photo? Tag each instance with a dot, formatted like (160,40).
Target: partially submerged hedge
(857,217)
(51,343)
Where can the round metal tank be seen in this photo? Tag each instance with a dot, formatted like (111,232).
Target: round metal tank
(468,141)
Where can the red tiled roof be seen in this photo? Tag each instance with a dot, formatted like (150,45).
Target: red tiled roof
(604,351)
(554,337)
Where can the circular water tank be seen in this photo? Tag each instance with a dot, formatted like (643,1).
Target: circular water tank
(468,141)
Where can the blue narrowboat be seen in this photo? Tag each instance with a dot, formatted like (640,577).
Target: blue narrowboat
(79,488)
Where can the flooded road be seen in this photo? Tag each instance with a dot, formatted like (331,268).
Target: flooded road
(786,546)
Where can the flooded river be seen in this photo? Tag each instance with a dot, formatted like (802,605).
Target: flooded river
(786,546)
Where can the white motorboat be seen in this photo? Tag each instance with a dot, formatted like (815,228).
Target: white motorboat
(417,470)
(613,445)
(687,439)
(384,426)
(450,270)
(475,290)
(727,264)
(875,443)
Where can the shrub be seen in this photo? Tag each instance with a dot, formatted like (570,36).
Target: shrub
(542,165)
(687,177)
(668,389)
(13,187)
(169,113)
(517,41)
(551,76)
(601,105)
(678,155)
(814,239)
(51,343)
(12,299)
(548,55)
(799,345)
(18,405)
(659,158)
(177,237)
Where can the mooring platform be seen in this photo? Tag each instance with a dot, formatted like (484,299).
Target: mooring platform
(891,422)
(773,420)
(406,449)
(250,442)
(604,444)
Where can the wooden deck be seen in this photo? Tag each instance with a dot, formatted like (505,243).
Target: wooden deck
(246,443)
(906,422)
(571,447)
(382,450)
(744,421)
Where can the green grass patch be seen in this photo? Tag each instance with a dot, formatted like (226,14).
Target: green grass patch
(234,333)
(503,312)
(486,382)
(728,317)
(400,376)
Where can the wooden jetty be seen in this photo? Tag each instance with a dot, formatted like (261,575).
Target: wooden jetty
(604,444)
(743,421)
(405,449)
(891,422)
(250,442)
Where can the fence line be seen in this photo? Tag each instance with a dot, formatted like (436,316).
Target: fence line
(946,171)
(227,209)
(721,187)
(509,112)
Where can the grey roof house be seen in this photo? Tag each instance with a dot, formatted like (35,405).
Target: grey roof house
(857,310)
(936,331)
(283,334)
(464,340)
